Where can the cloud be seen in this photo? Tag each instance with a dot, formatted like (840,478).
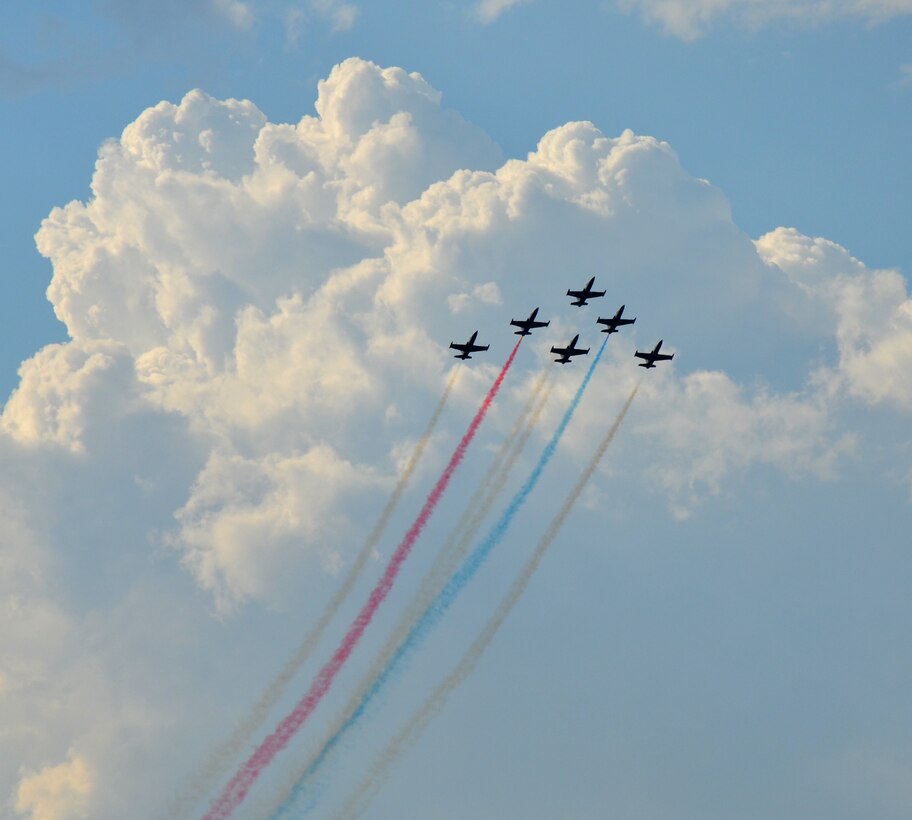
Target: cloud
(88,649)
(259,316)
(487,11)
(57,792)
(239,14)
(116,37)
(690,19)
(339,15)
(488,294)
(247,521)
(717,429)
(701,435)
(281,287)
(870,310)
(227,268)
(143,20)
(58,385)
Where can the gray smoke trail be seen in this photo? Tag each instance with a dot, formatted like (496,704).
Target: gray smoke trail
(456,548)
(362,796)
(486,492)
(453,551)
(457,545)
(221,758)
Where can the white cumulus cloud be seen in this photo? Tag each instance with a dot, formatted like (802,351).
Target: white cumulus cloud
(58,392)
(871,314)
(259,316)
(268,282)
(243,524)
(57,792)
(690,19)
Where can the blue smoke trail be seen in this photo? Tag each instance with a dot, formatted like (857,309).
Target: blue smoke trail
(444,599)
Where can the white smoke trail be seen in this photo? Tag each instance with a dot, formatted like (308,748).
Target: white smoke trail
(484,497)
(506,454)
(215,767)
(368,788)
(457,544)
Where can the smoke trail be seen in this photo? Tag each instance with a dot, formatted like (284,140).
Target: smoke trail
(448,594)
(487,491)
(221,758)
(236,789)
(360,799)
(491,475)
(449,556)
(486,494)
(454,550)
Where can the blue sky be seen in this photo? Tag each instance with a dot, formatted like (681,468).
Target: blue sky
(720,631)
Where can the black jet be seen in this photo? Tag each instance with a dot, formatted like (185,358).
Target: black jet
(653,356)
(564,354)
(581,297)
(528,325)
(468,348)
(612,324)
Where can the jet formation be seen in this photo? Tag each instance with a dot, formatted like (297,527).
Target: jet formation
(566,354)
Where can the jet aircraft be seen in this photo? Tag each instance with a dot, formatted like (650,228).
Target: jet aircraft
(467,349)
(528,325)
(653,356)
(564,354)
(581,297)
(612,324)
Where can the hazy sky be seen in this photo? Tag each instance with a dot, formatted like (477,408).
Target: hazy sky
(238,238)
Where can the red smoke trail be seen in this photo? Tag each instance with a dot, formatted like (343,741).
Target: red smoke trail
(236,789)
